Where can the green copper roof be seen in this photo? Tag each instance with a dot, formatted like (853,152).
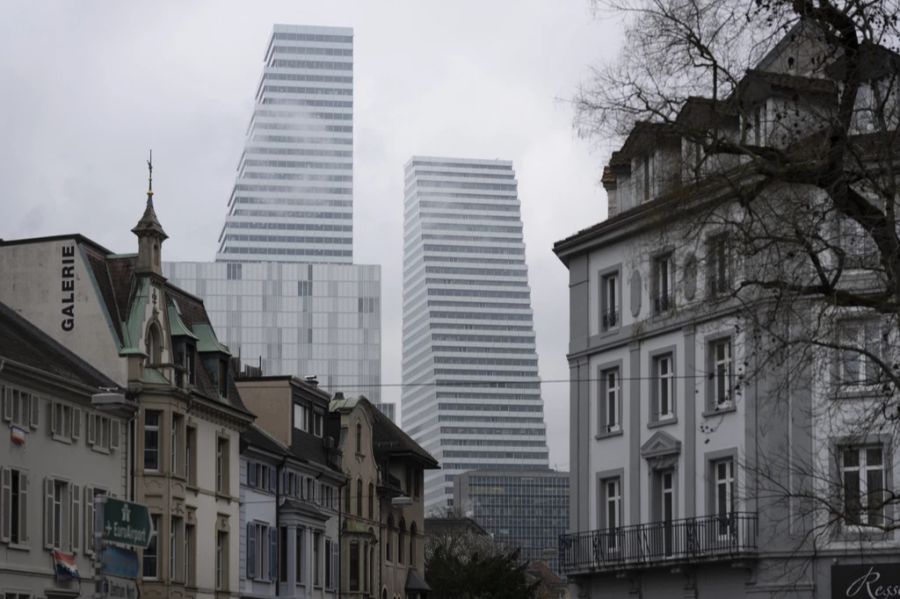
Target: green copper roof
(207,341)
(176,325)
(132,327)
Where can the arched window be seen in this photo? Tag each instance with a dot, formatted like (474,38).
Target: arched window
(359,496)
(412,545)
(390,535)
(153,344)
(401,539)
(371,501)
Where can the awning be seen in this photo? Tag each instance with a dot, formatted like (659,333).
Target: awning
(414,582)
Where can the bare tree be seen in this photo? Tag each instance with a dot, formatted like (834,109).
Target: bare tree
(805,185)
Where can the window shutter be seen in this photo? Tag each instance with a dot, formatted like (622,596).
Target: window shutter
(75,514)
(88,519)
(251,474)
(91,426)
(115,432)
(5,503)
(53,425)
(23,507)
(273,554)
(76,422)
(251,550)
(35,411)
(6,392)
(273,477)
(48,513)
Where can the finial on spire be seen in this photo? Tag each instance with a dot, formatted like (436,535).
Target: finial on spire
(150,176)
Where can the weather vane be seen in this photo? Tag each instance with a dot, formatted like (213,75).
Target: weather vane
(150,176)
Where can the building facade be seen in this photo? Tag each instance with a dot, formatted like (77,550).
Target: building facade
(472,394)
(524,510)
(59,452)
(700,467)
(383,519)
(118,313)
(291,461)
(293,197)
(321,320)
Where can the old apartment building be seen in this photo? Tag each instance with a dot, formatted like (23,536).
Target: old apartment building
(117,313)
(58,453)
(701,465)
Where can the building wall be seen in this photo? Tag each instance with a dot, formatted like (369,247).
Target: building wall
(26,566)
(467,322)
(36,274)
(295,319)
(293,197)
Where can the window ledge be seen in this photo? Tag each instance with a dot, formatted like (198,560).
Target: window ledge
(617,432)
(60,438)
(662,422)
(858,392)
(723,409)
(857,532)
(99,449)
(225,496)
(19,546)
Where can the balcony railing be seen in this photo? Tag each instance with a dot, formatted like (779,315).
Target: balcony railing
(663,303)
(707,538)
(610,319)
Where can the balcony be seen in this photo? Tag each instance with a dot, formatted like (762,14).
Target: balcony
(659,544)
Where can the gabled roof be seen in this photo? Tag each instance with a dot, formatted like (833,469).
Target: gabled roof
(23,343)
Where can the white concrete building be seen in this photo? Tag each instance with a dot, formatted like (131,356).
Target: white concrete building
(472,394)
(700,466)
(293,198)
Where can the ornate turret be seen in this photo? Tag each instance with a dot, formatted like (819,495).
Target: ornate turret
(150,233)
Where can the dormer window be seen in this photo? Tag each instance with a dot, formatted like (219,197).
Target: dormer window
(153,345)
(223,378)
(185,361)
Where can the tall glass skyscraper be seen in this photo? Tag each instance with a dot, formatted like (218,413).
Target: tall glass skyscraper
(293,197)
(471,393)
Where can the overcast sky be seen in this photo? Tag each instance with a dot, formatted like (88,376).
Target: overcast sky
(88,87)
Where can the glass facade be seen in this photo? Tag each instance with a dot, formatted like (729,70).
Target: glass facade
(295,319)
(293,196)
(521,509)
(471,393)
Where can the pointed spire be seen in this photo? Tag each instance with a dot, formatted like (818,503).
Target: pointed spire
(149,222)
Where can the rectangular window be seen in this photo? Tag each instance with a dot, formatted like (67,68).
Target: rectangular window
(329,577)
(862,470)
(176,449)
(176,543)
(723,495)
(612,511)
(609,301)
(663,387)
(721,374)
(190,550)
(317,558)
(318,421)
(102,432)
(301,417)
(222,466)
(298,557)
(21,408)
(62,510)
(151,440)
(151,553)
(663,283)
(65,421)
(861,347)
(190,455)
(648,175)
(283,554)
(610,401)
(90,494)
(221,560)
(354,566)
(719,264)
(13,506)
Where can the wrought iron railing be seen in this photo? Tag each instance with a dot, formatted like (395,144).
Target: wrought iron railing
(657,543)
(610,319)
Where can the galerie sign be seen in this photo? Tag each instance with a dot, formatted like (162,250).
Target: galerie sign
(868,581)
(67,284)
